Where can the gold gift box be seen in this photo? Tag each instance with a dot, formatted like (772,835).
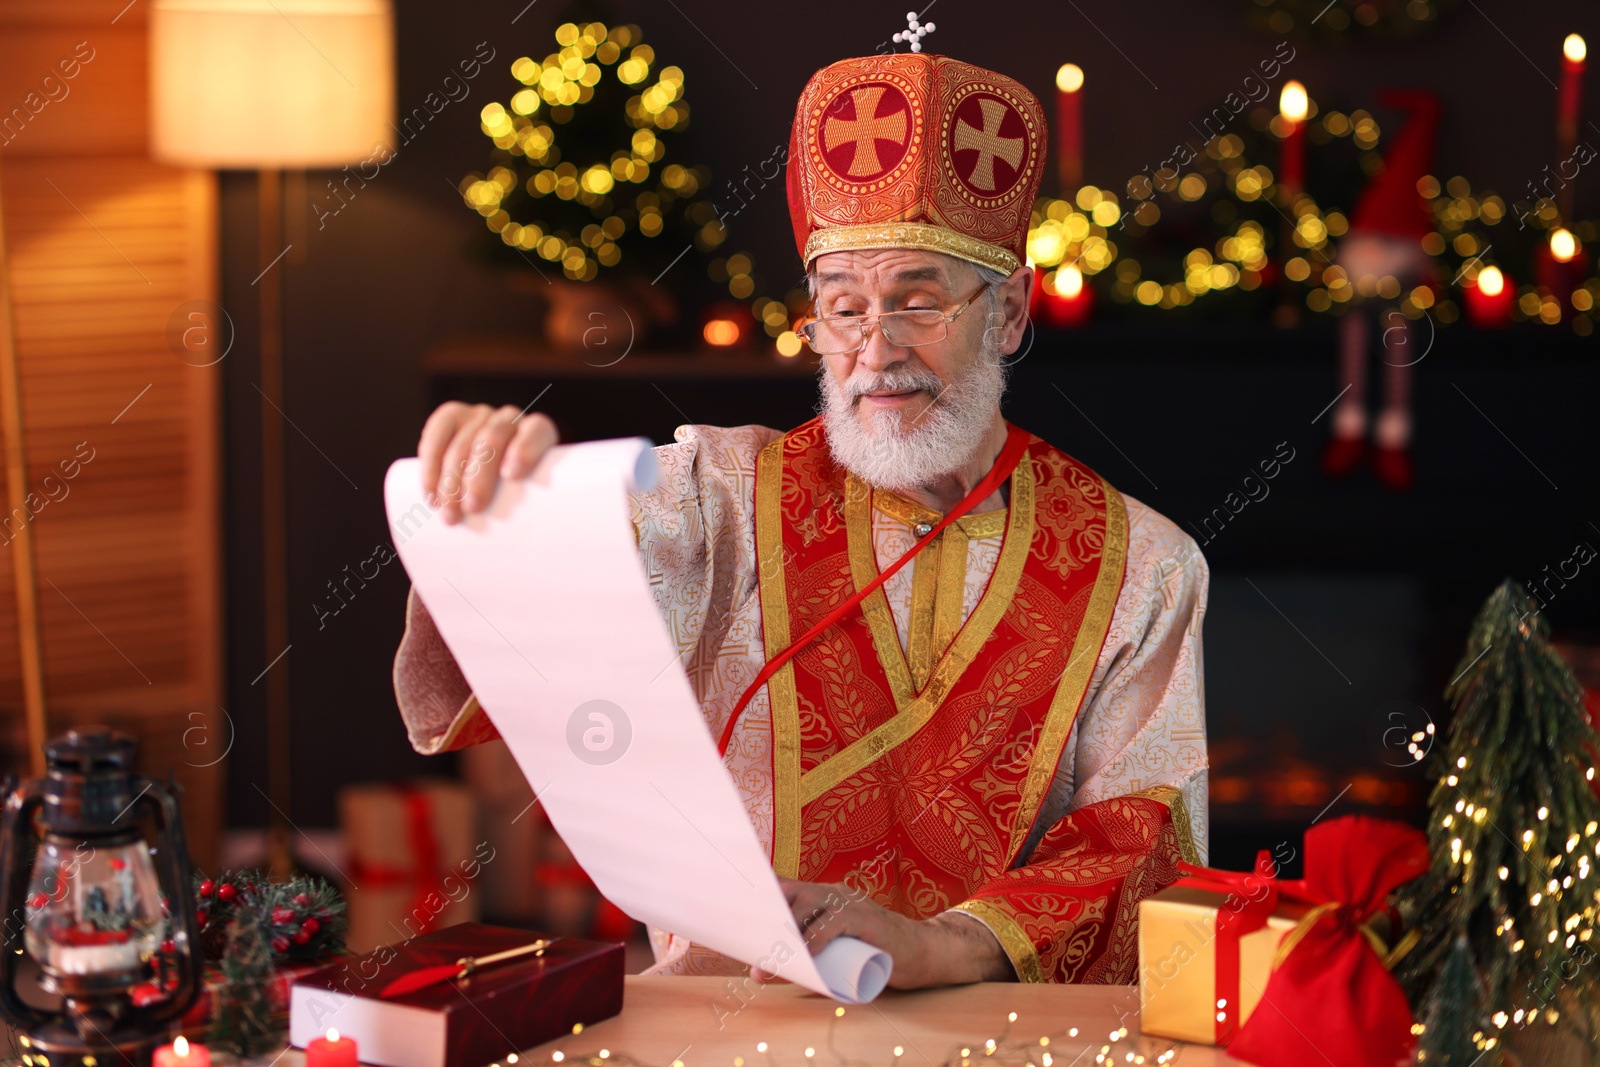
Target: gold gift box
(1178,962)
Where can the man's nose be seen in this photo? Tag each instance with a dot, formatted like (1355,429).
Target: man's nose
(879,352)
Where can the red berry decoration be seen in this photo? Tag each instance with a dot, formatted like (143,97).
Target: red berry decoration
(226,892)
(200,916)
(302,899)
(168,947)
(310,926)
(280,944)
(38,900)
(282,916)
(207,887)
(300,937)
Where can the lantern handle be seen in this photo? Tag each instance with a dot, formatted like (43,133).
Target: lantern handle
(21,804)
(161,798)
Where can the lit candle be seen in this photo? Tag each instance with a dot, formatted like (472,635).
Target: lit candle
(1293,106)
(1573,53)
(182,1054)
(1069,127)
(1559,266)
(330,1051)
(1067,299)
(1569,103)
(1489,300)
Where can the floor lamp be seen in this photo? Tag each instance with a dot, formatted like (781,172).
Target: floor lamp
(267,85)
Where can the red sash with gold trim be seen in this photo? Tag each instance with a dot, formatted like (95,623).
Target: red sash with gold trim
(920,796)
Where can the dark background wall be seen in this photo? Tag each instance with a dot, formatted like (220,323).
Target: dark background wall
(1332,605)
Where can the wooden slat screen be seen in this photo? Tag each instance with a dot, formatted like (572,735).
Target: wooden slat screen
(104,246)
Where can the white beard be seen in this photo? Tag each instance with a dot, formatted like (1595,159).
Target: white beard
(937,441)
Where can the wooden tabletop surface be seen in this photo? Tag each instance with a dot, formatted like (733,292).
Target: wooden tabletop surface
(706,1022)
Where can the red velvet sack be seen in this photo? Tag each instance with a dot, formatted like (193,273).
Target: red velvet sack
(1330,998)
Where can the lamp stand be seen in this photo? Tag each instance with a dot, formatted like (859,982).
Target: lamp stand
(274,526)
(23,571)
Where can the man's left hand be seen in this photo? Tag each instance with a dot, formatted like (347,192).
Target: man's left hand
(940,950)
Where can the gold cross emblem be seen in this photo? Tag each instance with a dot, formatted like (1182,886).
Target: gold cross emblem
(989,143)
(865,131)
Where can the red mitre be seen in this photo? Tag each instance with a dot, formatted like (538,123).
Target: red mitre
(913,150)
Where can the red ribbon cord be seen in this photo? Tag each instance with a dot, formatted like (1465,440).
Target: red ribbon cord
(1252,898)
(425,874)
(1004,464)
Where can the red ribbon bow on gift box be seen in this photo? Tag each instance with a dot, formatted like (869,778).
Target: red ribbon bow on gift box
(1331,997)
(427,867)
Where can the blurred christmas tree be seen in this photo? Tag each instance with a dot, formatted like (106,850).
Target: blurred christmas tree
(1513,826)
(581,175)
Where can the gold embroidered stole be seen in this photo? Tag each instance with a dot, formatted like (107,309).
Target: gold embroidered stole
(921,776)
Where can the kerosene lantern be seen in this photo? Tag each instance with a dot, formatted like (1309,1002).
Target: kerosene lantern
(92,912)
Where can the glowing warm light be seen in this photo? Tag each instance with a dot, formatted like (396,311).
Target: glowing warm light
(1491,282)
(789,344)
(1292,102)
(721,332)
(1573,48)
(1563,246)
(1069,79)
(1069,281)
(181,1045)
(333,1035)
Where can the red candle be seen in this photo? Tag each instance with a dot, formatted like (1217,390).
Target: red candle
(1067,299)
(330,1051)
(1559,265)
(1293,107)
(1489,299)
(182,1054)
(1069,128)
(1569,101)
(1568,114)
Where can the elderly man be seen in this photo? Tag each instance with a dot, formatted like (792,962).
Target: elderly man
(984,762)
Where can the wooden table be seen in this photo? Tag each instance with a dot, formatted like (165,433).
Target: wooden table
(706,1022)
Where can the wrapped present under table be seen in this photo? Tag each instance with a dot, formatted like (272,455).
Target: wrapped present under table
(415,859)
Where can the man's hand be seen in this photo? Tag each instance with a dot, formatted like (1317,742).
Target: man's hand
(940,950)
(466,450)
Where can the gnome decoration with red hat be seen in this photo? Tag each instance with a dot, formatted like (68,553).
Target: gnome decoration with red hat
(1383,257)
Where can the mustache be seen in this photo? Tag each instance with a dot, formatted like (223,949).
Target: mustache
(898,381)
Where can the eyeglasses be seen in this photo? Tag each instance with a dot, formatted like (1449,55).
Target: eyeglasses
(837,335)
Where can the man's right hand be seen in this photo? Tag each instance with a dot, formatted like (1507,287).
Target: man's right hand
(467,448)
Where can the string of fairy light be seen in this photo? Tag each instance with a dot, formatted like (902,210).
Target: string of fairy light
(1562,905)
(1071,240)
(1064,1047)
(1574,924)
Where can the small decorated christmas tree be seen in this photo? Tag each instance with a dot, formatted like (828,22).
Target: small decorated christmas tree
(1513,825)
(244,1023)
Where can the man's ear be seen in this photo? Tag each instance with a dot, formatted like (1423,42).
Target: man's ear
(1015,293)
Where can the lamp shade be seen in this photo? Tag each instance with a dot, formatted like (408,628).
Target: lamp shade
(270,83)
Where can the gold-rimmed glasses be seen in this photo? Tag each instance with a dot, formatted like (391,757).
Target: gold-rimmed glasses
(837,335)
